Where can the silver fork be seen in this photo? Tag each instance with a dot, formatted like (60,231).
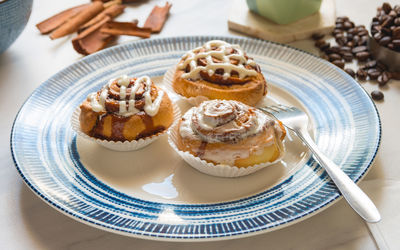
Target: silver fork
(297,121)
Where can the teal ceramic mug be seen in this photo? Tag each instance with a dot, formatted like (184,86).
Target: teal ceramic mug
(284,11)
(14,15)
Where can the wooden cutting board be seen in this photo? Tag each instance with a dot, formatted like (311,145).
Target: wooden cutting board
(241,19)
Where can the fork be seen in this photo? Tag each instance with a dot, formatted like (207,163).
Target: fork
(297,121)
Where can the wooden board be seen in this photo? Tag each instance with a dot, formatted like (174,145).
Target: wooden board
(241,19)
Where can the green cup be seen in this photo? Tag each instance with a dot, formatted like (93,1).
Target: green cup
(284,11)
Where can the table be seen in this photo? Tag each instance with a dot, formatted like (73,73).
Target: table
(26,222)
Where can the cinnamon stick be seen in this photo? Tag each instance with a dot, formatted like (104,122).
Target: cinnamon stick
(112,11)
(73,24)
(155,21)
(57,20)
(92,40)
(125,28)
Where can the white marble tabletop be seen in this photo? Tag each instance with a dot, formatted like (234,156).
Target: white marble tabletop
(26,222)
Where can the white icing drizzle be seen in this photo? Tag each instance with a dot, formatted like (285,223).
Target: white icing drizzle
(221,53)
(127,106)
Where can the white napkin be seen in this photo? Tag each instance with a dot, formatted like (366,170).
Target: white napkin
(386,196)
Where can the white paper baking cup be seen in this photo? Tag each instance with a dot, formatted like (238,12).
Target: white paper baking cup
(118,145)
(168,80)
(220,170)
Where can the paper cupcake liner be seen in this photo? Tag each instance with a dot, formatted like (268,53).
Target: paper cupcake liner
(220,170)
(168,80)
(118,145)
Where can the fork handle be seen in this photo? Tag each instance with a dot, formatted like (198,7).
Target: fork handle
(357,199)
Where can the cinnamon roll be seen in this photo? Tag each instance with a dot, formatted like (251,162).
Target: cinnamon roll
(230,133)
(126,109)
(219,70)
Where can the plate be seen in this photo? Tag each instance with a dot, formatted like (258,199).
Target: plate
(152,193)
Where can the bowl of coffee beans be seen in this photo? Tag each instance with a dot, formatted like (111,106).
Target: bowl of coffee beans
(384,42)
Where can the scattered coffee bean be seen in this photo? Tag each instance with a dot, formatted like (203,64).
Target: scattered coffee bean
(317,36)
(334,57)
(396,33)
(320,43)
(339,63)
(324,46)
(377,95)
(386,7)
(397,21)
(385,40)
(362,56)
(373,74)
(350,72)
(358,49)
(361,74)
(370,64)
(348,57)
(383,78)
(381,66)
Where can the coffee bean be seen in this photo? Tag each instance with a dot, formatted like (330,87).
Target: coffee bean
(396,43)
(385,40)
(339,26)
(370,64)
(334,57)
(377,95)
(358,49)
(345,49)
(363,41)
(356,39)
(397,21)
(386,31)
(348,57)
(386,7)
(350,72)
(383,78)
(363,33)
(373,74)
(348,25)
(335,49)
(350,44)
(319,43)
(393,13)
(362,56)
(390,46)
(342,19)
(324,46)
(387,21)
(336,31)
(381,66)
(396,33)
(339,63)
(317,36)
(378,36)
(352,31)
(361,74)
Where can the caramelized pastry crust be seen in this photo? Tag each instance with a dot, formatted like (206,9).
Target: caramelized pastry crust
(126,109)
(219,70)
(231,133)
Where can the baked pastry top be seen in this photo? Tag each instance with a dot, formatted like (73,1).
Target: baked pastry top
(126,109)
(230,132)
(219,70)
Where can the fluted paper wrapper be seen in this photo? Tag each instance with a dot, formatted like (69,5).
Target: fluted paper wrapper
(118,145)
(168,80)
(220,170)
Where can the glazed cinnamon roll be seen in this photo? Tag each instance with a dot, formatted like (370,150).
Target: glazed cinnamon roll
(219,70)
(231,133)
(126,109)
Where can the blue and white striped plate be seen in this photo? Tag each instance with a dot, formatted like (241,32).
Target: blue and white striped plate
(151,193)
